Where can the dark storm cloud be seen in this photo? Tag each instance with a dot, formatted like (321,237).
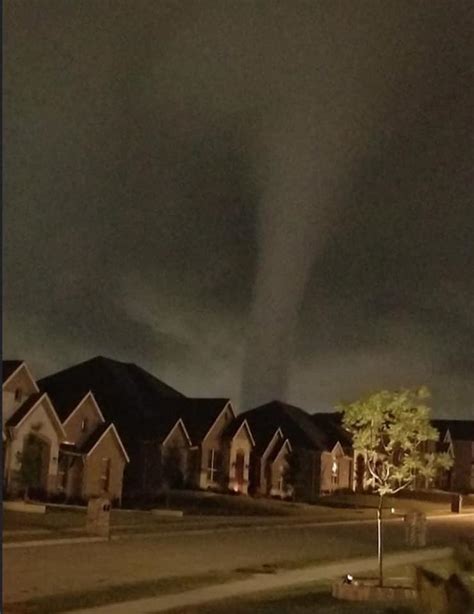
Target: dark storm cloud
(158,161)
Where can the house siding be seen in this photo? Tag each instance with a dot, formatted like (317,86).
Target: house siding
(108,447)
(279,467)
(265,469)
(240,443)
(214,441)
(19,381)
(86,411)
(39,423)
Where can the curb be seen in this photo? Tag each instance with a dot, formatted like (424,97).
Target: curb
(53,542)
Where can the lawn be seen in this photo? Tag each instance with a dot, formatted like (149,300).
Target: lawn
(318,598)
(297,601)
(58,604)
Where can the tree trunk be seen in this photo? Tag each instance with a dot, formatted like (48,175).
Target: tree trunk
(380,540)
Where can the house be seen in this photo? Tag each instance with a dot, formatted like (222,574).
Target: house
(169,438)
(458,435)
(30,427)
(216,446)
(268,443)
(337,459)
(93,458)
(318,463)
(127,396)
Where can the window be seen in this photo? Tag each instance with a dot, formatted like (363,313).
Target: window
(213,464)
(18,395)
(84,424)
(105,474)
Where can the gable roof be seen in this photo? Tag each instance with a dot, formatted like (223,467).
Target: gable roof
(294,422)
(179,424)
(460,430)
(277,450)
(125,393)
(28,406)
(90,396)
(263,429)
(9,367)
(24,409)
(330,424)
(99,433)
(234,428)
(198,415)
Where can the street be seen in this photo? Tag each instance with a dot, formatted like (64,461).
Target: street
(34,572)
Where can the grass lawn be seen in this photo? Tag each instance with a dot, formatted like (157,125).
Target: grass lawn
(318,598)
(298,601)
(117,593)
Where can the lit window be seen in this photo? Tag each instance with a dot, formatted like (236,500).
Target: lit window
(84,424)
(334,471)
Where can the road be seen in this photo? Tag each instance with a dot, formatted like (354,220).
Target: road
(34,572)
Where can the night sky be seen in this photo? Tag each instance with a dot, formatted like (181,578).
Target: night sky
(250,199)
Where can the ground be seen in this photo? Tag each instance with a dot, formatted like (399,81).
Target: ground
(88,567)
(299,601)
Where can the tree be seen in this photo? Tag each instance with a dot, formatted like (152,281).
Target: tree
(30,460)
(394,433)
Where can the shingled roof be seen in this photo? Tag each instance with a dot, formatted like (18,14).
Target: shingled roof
(9,367)
(460,430)
(24,409)
(294,422)
(330,424)
(261,427)
(125,393)
(198,415)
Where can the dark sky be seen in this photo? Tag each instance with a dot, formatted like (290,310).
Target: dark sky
(255,200)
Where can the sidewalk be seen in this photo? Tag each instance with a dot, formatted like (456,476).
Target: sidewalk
(173,531)
(260,583)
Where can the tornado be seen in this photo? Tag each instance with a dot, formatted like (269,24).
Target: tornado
(295,171)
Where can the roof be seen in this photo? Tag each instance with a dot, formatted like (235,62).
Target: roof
(93,438)
(125,393)
(263,429)
(278,449)
(29,405)
(9,367)
(330,424)
(294,422)
(460,430)
(97,435)
(23,410)
(198,416)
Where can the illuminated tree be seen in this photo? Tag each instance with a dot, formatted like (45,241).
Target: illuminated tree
(394,433)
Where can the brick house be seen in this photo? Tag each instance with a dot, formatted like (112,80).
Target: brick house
(216,446)
(169,438)
(322,460)
(28,419)
(93,458)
